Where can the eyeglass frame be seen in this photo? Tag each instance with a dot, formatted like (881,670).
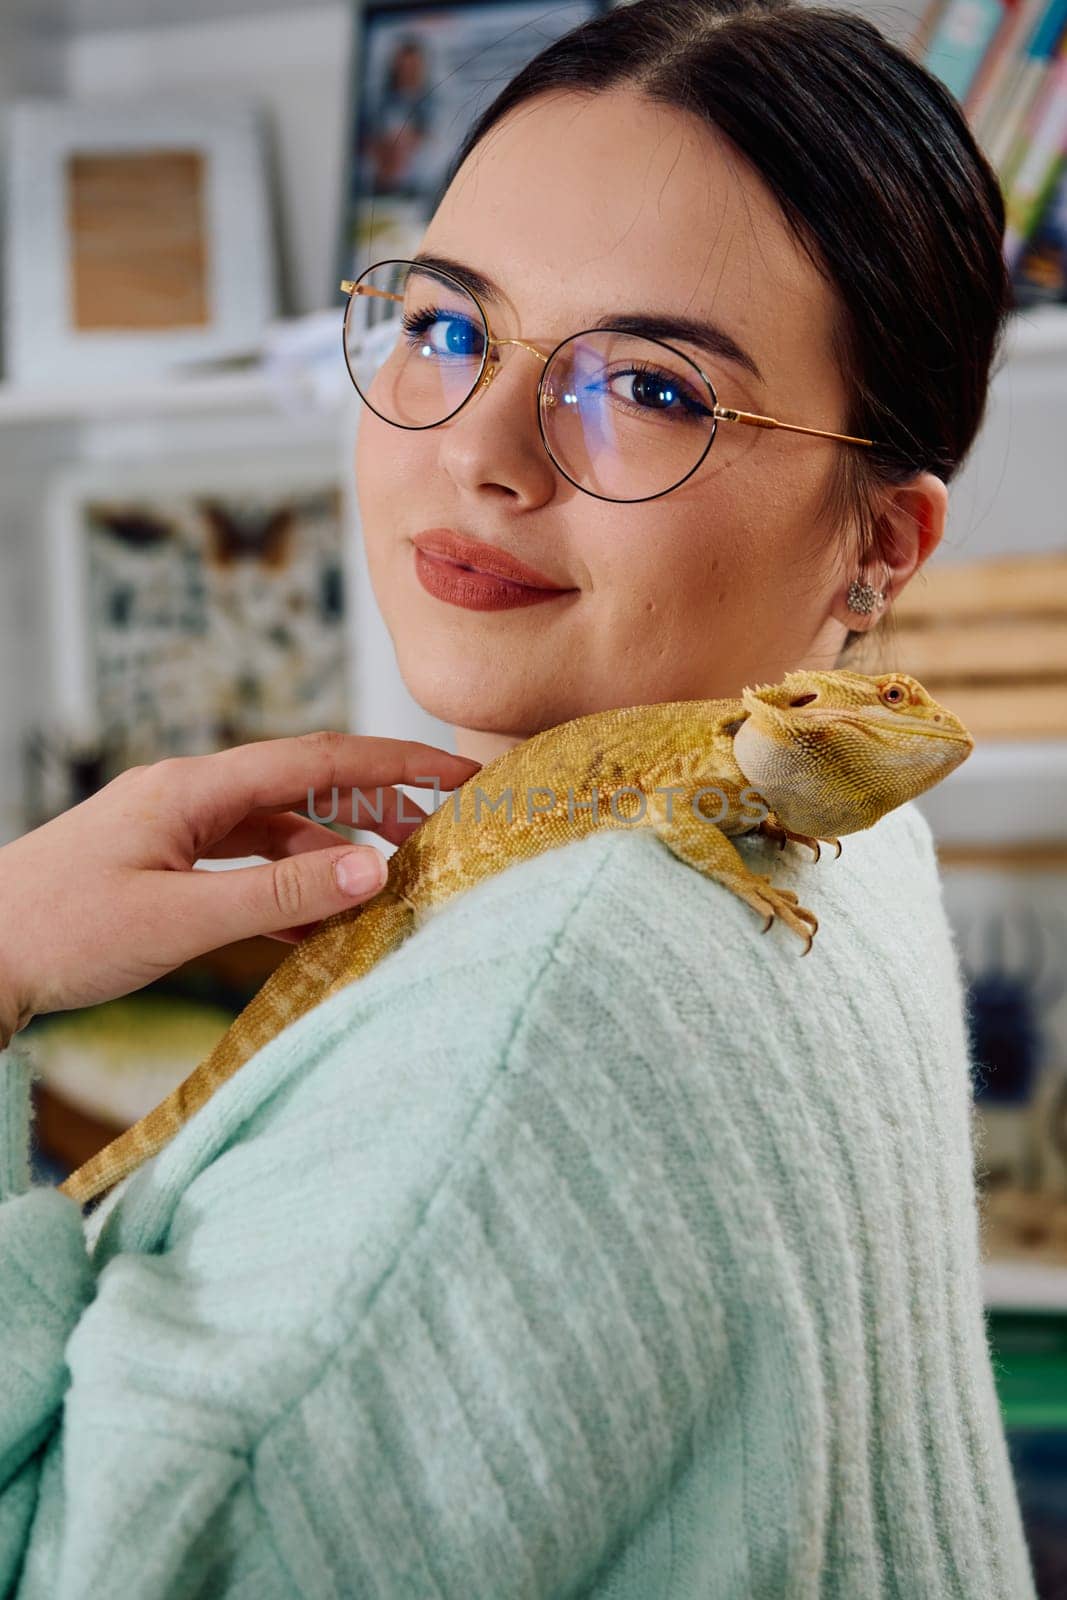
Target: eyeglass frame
(353,286)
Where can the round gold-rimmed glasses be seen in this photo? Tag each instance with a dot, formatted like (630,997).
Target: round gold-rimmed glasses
(623,416)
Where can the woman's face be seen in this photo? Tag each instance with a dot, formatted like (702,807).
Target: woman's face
(577,206)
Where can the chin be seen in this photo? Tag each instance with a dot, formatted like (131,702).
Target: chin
(483,695)
(460,696)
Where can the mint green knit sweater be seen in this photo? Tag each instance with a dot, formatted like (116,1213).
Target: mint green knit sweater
(595,1244)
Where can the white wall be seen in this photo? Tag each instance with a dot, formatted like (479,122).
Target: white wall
(1011,496)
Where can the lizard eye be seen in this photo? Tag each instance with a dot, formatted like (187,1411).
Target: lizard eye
(803,699)
(894,693)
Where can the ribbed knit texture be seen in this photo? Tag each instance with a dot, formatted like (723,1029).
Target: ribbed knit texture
(595,1244)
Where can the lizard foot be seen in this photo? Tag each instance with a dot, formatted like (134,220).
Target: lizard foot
(783,903)
(775,830)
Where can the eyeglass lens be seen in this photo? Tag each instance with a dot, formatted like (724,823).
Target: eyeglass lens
(623,417)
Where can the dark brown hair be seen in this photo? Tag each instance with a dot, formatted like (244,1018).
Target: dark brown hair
(879,178)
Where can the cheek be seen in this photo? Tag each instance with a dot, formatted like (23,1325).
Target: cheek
(673,566)
(384,473)
(382,457)
(391,464)
(677,555)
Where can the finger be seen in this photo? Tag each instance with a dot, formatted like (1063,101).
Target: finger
(223,788)
(264,834)
(388,812)
(211,909)
(273,836)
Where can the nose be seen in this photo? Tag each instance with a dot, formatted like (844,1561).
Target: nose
(493,364)
(507,451)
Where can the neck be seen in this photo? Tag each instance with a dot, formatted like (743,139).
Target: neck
(484,747)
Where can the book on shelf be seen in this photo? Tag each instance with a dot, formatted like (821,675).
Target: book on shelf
(1041,273)
(1036,158)
(959,39)
(1005,62)
(1001,136)
(996,77)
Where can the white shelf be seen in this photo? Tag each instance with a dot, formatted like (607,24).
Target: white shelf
(94,16)
(1013,790)
(246,390)
(1024,1286)
(223,391)
(1042,760)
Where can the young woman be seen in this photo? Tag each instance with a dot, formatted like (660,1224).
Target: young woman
(593,1244)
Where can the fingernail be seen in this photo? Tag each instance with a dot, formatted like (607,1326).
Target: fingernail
(361,872)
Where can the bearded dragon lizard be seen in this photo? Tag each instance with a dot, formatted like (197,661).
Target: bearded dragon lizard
(817,755)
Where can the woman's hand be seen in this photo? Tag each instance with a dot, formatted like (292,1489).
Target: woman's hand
(102,900)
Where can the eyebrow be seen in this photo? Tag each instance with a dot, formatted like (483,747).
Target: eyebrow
(695,330)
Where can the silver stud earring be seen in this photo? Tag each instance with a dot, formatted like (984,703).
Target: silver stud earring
(864,597)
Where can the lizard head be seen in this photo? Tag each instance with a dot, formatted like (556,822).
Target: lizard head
(833,751)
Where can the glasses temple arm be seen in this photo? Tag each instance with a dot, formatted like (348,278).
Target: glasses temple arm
(726,414)
(347,287)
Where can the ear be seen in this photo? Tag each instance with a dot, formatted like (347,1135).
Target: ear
(911,524)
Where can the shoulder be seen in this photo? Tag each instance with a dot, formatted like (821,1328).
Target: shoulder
(618,915)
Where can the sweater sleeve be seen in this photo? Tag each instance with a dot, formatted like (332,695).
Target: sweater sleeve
(45,1284)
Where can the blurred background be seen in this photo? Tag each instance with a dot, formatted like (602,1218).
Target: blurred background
(185,184)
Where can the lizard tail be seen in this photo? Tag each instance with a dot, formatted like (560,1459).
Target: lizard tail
(341,951)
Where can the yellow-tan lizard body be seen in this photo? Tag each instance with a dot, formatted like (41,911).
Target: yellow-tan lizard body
(817,755)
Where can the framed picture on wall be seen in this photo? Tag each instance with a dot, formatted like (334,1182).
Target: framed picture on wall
(421,73)
(138,237)
(194,605)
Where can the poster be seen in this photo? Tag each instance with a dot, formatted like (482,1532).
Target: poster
(196,606)
(423,72)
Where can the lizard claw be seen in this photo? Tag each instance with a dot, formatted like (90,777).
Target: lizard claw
(775,830)
(783,903)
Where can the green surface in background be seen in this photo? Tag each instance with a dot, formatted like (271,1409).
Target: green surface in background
(1029,1351)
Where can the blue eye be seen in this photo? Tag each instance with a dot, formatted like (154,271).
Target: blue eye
(460,336)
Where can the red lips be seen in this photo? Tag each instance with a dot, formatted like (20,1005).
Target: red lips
(482,557)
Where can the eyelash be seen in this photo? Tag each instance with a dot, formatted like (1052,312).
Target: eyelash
(416,324)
